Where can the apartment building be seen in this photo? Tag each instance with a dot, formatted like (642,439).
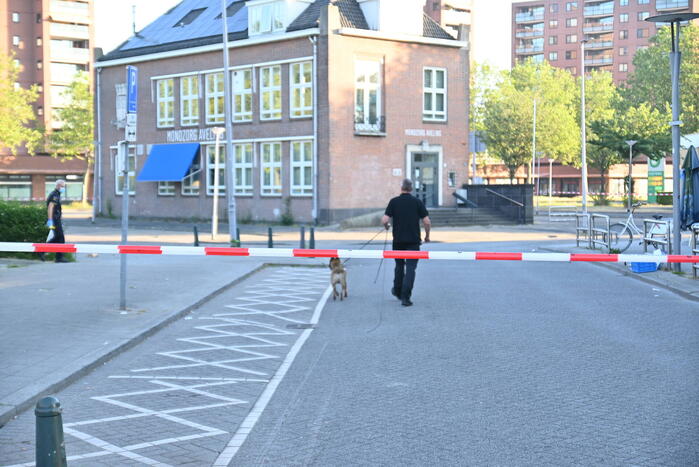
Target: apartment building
(50,40)
(334,103)
(614,29)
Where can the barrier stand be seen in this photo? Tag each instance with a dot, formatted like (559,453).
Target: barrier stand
(50,446)
(695,248)
(582,226)
(598,231)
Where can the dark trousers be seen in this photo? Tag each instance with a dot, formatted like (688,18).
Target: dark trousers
(404,276)
(58,237)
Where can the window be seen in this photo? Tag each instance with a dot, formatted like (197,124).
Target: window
(642,15)
(271,173)
(642,33)
(211,163)
(571,22)
(571,54)
(166,188)
(367,92)
(15,40)
(623,67)
(553,24)
(301,168)
(242,96)
(553,8)
(553,40)
(624,18)
(623,51)
(266,18)
(192,180)
(16,187)
(214,98)
(643,2)
(553,56)
(39,42)
(623,2)
(166,102)
(301,89)
(39,65)
(572,69)
(15,17)
(571,38)
(242,167)
(119,183)
(74,186)
(624,34)
(189,17)
(120,104)
(434,91)
(189,100)
(271,93)
(570,6)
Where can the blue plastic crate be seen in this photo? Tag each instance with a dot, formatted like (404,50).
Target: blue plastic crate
(644,267)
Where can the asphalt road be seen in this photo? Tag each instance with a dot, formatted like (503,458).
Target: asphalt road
(498,363)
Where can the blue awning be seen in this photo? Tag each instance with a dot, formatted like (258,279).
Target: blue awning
(168,162)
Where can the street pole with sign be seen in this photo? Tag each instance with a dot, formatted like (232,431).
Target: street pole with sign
(630,143)
(123,153)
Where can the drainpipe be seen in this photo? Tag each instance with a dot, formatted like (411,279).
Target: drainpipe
(314,211)
(97,182)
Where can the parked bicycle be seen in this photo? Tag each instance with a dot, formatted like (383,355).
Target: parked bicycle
(622,233)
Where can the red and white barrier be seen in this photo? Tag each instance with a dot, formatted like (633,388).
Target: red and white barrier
(339,253)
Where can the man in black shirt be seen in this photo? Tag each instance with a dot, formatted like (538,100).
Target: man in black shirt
(406,212)
(53,206)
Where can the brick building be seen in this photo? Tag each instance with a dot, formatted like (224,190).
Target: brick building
(615,29)
(334,102)
(51,40)
(451,14)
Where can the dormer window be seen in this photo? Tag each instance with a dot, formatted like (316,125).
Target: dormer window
(266,17)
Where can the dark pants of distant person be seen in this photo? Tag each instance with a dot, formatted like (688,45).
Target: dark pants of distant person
(58,238)
(404,276)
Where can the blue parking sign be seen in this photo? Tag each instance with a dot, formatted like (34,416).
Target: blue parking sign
(131,89)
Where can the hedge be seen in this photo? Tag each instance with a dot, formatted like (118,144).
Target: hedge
(22,223)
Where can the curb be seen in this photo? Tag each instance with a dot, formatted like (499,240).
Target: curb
(10,411)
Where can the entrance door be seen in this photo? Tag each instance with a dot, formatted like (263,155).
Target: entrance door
(425,177)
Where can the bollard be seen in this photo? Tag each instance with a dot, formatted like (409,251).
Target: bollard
(50,446)
(302,243)
(312,239)
(237,235)
(196,236)
(270,243)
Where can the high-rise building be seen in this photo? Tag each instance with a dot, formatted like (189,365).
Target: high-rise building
(614,29)
(50,40)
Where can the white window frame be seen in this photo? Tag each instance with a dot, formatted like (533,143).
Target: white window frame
(118,186)
(364,68)
(210,152)
(301,158)
(189,100)
(15,17)
(166,188)
(188,188)
(165,102)
(15,40)
(266,18)
(243,163)
(305,109)
(242,95)
(270,149)
(273,91)
(215,96)
(434,115)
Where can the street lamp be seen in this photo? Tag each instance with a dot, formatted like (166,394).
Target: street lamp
(630,143)
(675,59)
(583,136)
(218,131)
(228,119)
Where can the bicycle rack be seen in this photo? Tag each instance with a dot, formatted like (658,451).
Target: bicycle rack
(659,239)
(695,248)
(598,231)
(582,227)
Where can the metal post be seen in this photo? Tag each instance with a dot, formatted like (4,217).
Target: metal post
(218,131)
(312,239)
(270,242)
(531,166)
(196,236)
(583,130)
(50,446)
(124,150)
(237,235)
(675,60)
(630,193)
(230,175)
(550,181)
(302,243)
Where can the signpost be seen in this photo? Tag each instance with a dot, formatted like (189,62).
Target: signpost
(123,148)
(656,178)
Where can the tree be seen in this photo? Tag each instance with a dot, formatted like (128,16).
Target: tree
(650,81)
(16,112)
(508,115)
(75,137)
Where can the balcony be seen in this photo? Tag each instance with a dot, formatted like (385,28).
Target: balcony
(661,5)
(599,61)
(69,31)
(529,33)
(599,11)
(598,45)
(73,12)
(529,17)
(534,49)
(597,27)
(70,55)
(370,127)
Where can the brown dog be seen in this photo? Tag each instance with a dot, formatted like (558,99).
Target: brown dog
(338,276)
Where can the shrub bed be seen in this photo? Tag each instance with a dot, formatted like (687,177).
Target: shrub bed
(22,223)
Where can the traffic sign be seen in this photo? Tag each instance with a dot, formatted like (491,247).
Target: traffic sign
(131,133)
(131,89)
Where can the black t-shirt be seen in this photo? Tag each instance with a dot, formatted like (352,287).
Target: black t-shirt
(55,198)
(406,211)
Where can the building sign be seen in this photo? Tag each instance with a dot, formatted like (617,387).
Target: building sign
(656,178)
(423,132)
(187,136)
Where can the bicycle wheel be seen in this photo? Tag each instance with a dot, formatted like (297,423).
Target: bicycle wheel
(621,237)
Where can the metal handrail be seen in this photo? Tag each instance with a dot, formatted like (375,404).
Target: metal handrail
(464,200)
(582,228)
(603,232)
(505,197)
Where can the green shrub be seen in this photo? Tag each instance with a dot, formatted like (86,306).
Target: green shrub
(287,217)
(664,198)
(25,223)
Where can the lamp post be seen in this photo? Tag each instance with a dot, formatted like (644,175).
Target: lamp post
(218,131)
(531,165)
(675,59)
(583,135)
(228,119)
(630,143)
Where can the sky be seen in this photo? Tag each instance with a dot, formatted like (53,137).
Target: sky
(491,30)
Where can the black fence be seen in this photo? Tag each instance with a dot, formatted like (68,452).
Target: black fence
(514,202)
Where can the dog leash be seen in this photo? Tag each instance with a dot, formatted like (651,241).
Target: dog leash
(370,240)
(385,240)
(383,288)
